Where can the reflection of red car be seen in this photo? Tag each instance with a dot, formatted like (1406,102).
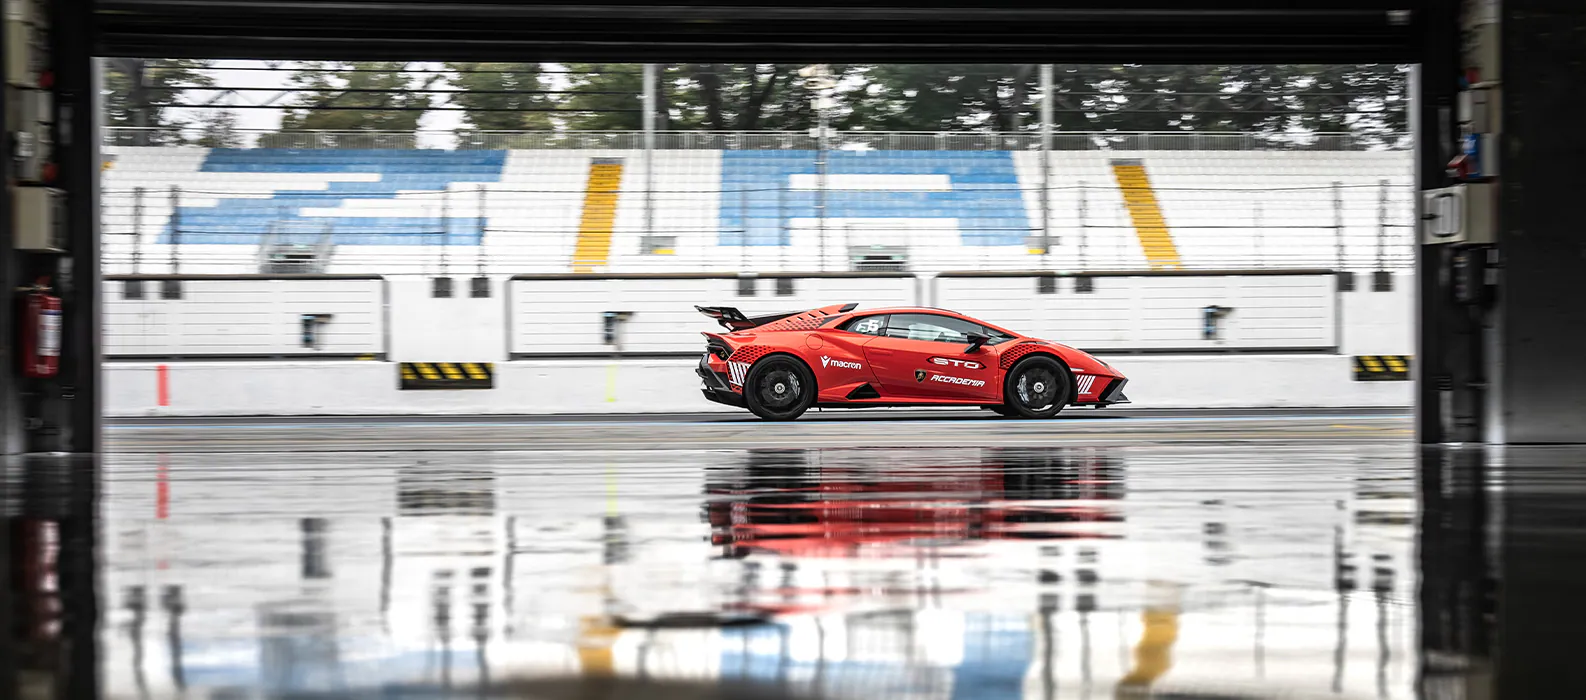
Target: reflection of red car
(779,503)
(835,357)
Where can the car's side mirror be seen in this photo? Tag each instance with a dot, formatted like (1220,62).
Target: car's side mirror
(975,341)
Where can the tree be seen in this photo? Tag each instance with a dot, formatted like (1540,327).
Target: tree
(138,92)
(605,96)
(1273,99)
(743,97)
(943,98)
(712,96)
(358,96)
(501,96)
(218,129)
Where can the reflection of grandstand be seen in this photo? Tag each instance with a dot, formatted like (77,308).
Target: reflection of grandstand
(391,210)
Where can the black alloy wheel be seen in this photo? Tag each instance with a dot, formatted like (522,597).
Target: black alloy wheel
(1037,387)
(779,387)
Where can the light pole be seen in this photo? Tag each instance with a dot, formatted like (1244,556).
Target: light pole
(818,79)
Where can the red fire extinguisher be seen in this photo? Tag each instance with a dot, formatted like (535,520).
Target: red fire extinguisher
(41,332)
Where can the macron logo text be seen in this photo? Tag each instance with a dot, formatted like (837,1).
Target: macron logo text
(829,362)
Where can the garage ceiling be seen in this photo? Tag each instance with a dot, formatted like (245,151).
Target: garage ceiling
(1123,31)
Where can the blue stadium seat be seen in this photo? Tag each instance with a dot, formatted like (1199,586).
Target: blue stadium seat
(985,196)
(246,221)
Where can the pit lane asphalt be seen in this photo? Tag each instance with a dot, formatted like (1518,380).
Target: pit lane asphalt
(868,428)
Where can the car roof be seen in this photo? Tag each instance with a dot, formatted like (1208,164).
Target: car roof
(906,310)
(898,309)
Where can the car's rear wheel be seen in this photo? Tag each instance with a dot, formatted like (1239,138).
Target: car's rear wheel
(779,387)
(1003,411)
(1037,387)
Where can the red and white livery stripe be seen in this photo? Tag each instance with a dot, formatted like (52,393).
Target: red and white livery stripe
(737,372)
(1085,383)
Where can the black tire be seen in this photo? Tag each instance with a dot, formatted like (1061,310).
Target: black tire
(779,387)
(1037,387)
(1003,411)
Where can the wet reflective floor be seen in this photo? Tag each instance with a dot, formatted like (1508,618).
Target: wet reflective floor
(1320,556)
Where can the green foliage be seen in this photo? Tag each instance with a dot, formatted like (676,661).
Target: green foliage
(612,92)
(136,90)
(1364,99)
(943,98)
(487,87)
(326,90)
(743,97)
(218,129)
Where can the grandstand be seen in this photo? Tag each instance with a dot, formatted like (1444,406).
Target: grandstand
(392,211)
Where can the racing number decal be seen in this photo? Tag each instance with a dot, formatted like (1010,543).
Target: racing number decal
(869,326)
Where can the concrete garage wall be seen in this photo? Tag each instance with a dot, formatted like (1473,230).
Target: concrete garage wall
(640,386)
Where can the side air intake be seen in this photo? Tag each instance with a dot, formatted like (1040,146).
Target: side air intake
(864,391)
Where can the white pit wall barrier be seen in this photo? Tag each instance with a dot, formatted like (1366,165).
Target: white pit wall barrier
(563,315)
(289,388)
(243,316)
(1272,311)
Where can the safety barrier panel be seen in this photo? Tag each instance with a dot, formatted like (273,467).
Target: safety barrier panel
(637,315)
(652,315)
(244,316)
(1382,368)
(1156,311)
(446,375)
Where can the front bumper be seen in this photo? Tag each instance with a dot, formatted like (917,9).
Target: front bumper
(715,386)
(1110,396)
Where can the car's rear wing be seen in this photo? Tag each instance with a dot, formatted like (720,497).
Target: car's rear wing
(733,320)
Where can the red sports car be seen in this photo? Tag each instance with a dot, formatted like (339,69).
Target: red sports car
(779,365)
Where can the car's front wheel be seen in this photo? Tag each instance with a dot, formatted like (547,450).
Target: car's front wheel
(1037,387)
(779,387)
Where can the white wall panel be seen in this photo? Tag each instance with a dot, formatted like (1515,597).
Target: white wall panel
(1156,312)
(1379,323)
(242,316)
(650,386)
(563,315)
(459,328)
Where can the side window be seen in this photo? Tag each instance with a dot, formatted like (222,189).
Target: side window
(942,329)
(868,325)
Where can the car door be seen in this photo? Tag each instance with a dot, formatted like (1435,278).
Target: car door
(923,355)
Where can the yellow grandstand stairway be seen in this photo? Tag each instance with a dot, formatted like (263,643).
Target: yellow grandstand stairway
(593,250)
(1146,213)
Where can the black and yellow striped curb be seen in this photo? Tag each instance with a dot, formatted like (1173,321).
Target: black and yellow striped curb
(1382,368)
(448,375)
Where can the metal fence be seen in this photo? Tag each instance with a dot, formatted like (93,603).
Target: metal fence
(774,140)
(490,230)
